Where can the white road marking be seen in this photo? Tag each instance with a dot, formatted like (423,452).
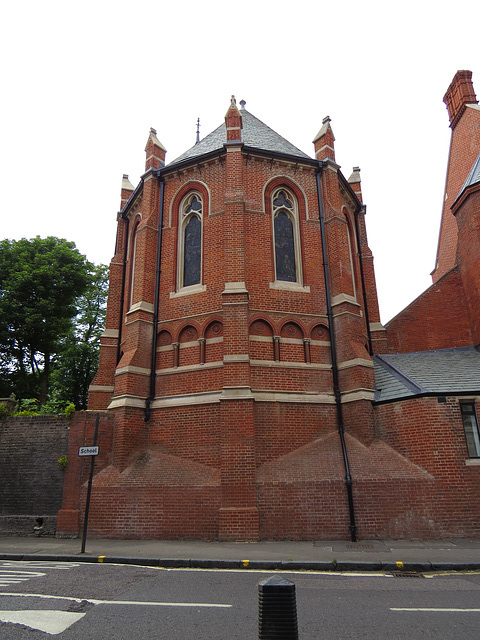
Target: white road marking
(8,576)
(16,571)
(435,609)
(38,564)
(308,572)
(162,604)
(41,595)
(51,622)
(140,603)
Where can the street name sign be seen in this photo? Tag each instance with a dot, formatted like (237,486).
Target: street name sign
(88,451)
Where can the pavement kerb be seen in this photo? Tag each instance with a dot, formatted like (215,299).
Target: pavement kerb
(263,565)
(453,566)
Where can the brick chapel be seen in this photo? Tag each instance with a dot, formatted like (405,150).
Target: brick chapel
(247,389)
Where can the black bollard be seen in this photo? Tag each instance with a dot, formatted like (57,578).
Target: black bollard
(277,609)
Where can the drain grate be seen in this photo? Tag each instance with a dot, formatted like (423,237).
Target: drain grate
(408,574)
(356,545)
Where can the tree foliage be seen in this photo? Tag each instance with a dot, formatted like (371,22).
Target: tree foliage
(77,361)
(45,284)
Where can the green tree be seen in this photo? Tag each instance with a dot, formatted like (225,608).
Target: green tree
(77,361)
(40,281)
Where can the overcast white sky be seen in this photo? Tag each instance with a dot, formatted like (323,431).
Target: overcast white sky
(84,82)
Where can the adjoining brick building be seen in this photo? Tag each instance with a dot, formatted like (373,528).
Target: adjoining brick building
(247,387)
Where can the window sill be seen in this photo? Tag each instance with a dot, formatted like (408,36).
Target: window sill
(289,286)
(186,291)
(472,462)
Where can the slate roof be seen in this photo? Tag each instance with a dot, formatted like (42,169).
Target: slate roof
(440,372)
(473,177)
(255,134)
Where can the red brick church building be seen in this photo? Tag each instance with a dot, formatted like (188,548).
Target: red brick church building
(247,389)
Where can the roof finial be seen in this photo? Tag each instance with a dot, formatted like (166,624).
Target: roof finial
(198,131)
(242,104)
(233,102)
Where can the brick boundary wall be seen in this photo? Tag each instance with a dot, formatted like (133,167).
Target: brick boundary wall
(31,480)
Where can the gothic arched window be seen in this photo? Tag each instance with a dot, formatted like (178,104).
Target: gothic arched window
(133,255)
(190,235)
(286,232)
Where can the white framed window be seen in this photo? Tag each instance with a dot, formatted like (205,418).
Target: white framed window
(470,425)
(286,237)
(190,243)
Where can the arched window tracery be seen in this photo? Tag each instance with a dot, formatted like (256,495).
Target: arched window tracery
(286,236)
(190,237)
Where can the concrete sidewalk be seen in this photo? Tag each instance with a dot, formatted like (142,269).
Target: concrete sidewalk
(324,555)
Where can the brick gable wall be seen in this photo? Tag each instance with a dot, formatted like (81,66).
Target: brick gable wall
(437,319)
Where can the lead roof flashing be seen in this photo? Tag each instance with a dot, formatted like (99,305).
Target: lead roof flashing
(400,375)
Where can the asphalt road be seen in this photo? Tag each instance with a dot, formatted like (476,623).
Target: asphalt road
(83,601)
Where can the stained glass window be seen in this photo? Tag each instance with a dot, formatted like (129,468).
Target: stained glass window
(281,200)
(194,205)
(285,229)
(190,247)
(284,247)
(192,252)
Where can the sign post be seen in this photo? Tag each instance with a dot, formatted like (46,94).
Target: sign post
(92,452)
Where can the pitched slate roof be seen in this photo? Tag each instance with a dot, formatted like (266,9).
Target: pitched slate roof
(440,372)
(255,134)
(473,177)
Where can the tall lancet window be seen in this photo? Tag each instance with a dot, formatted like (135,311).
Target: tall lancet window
(285,231)
(191,241)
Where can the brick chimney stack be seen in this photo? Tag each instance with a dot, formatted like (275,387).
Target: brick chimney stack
(459,94)
(464,116)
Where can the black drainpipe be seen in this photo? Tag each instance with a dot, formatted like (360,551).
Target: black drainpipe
(155,304)
(122,295)
(362,277)
(336,387)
